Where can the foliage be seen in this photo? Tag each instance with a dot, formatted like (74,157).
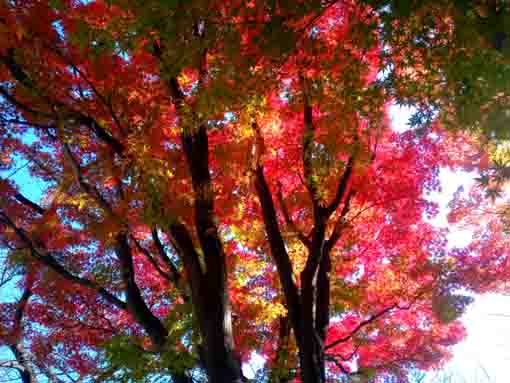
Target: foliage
(221,179)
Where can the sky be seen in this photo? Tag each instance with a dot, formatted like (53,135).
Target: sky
(484,355)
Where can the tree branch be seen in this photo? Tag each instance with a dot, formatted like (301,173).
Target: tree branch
(343,187)
(105,102)
(14,364)
(276,242)
(18,314)
(151,259)
(362,324)
(100,132)
(174,272)
(290,222)
(49,261)
(5,94)
(346,358)
(32,205)
(308,140)
(331,358)
(22,363)
(339,225)
(135,303)
(19,74)
(214,312)
(277,245)
(84,185)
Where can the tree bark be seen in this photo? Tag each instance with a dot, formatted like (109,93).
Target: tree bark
(214,312)
(209,286)
(25,369)
(301,305)
(309,306)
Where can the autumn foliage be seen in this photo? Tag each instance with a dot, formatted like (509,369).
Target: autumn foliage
(216,180)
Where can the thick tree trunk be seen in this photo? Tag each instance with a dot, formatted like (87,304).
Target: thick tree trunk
(210,305)
(310,346)
(215,317)
(315,306)
(209,283)
(217,349)
(311,366)
(221,362)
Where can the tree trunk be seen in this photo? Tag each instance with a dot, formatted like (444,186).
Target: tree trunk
(26,372)
(222,365)
(310,364)
(310,348)
(221,361)
(209,284)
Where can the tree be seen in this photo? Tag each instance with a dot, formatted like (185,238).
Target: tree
(216,173)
